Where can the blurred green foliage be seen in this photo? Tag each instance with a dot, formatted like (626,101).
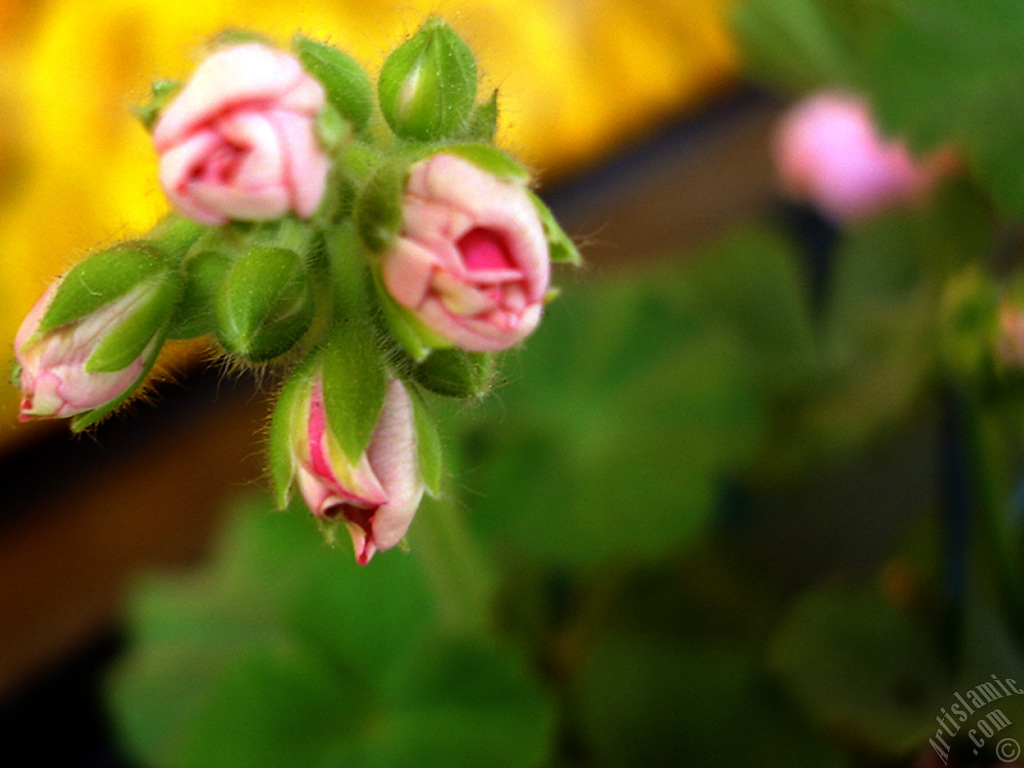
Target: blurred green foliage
(714,514)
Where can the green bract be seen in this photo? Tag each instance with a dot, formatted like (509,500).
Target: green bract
(428,84)
(264,305)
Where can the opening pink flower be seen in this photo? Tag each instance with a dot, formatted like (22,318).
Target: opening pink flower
(239,140)
(829,153)
(376,496)
(471,260)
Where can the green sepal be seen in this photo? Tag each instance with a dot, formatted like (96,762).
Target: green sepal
(15,374)
(486,157)
(175,235)
(427,85)
(99,280)
(378,208)
(483,123)
(428,445)
(561,247)
(456,373)
(264,305)
(347,86)
(354,386)
(282,426)
(130,337)
(203,274)
(414,337)
(161,94)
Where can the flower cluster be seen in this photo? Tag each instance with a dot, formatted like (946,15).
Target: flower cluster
(372,243)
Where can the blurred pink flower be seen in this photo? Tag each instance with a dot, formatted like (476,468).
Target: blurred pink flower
(471,260)
(1010,337)
(376,496)
(830,154)
(239,140)
(54,380)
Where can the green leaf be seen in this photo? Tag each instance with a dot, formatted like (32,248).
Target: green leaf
(856,663)
(428,445)
(656,700)
(347,86)
(562,248)
(464,702)
(354,386)
(279,651)
(937,53)
(617,428)
(793,44)
(879,342)
(428,84)
(752,281)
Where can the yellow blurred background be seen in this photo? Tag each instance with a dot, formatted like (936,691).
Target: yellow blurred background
(577,79)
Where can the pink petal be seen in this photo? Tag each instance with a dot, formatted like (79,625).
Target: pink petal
(227,78)
(306,163)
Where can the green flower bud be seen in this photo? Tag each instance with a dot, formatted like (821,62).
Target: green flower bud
(347,87)
(428,84)
(456,373)
(204,273)
(264,305)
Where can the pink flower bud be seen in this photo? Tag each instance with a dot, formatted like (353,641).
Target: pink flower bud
(829,153)
(55,382)
(471,260)
(376,496)
(239,140)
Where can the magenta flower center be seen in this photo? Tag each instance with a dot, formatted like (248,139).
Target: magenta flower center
(222,165)
(484,250)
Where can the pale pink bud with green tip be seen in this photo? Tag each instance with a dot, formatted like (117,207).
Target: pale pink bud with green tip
(55,378)
(830,154)
(239,140)
(471,261)
(376,496)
